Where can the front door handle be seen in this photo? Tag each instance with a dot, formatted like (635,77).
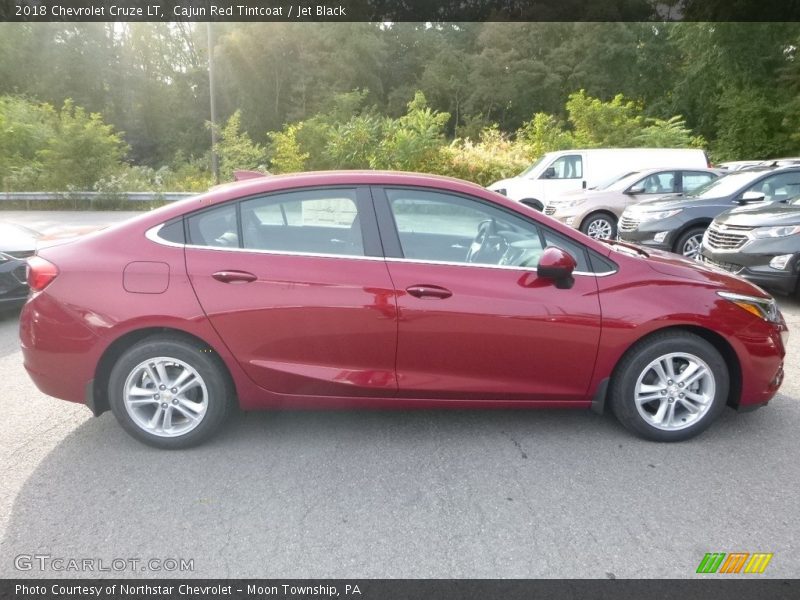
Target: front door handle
(429,291)
(234,276)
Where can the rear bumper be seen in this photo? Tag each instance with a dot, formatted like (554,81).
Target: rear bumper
(59,352)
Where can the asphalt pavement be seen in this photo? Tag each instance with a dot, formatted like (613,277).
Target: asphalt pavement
(425,494)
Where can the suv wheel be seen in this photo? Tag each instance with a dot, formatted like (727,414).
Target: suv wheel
(690,243)
(600,227)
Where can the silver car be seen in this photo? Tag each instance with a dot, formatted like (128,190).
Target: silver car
(596,211)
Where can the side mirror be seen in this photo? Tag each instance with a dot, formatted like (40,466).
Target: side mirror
(639,189)
(749,197)
(549,173)
(558,265)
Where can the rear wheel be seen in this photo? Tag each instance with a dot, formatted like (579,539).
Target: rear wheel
(670,387)
(169,392)
(690,242)
(600,226)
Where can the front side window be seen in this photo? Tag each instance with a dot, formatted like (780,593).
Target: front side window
(658,183)
(567,167)
(307,221)
(440,227)
(778,187)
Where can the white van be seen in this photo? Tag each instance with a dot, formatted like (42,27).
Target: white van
(568,170)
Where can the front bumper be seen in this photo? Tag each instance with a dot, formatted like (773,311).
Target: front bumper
(755,268)
(647,239)
(644,232)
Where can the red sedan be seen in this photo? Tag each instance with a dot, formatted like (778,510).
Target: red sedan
(370,289)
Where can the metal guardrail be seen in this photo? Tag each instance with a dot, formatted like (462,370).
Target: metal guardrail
(92,196)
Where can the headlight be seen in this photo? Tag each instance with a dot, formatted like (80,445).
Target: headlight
(775,232)
(657,216)
(561,204)
(763,308)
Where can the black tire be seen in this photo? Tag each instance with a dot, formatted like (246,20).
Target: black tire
(636,363)
(683,240)
(215,393)
(533,203)
(604,220)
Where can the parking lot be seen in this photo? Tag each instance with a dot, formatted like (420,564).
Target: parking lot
(395,494)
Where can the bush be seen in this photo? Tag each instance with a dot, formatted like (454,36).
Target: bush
(492,158)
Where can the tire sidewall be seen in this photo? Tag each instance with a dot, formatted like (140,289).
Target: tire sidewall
(685,237)
(216,381)
(631,367)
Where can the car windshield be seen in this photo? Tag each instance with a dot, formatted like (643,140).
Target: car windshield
(604,185)
(531,168)
(725,185)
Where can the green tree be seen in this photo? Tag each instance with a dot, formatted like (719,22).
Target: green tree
(82,150)
(236,150)
(412,142)
(544,133)
(25,129)
(287,156)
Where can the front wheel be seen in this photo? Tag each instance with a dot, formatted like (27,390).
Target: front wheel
(690,243)
(670,387)
(169,392)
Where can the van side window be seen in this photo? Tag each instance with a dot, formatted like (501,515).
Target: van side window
(568,167)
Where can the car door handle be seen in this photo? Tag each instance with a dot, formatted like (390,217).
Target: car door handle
(234,276)
(429,291)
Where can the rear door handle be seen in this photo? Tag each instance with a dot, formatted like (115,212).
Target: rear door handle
(234,276)
(429,291)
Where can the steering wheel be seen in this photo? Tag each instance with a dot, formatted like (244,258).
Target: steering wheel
(488,246)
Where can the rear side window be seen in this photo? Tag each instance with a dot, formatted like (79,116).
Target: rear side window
(307,221)
(172,232)
(216,228)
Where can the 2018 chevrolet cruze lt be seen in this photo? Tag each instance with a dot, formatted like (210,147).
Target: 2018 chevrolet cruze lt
(370,289)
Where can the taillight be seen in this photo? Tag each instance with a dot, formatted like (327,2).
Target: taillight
(41,273)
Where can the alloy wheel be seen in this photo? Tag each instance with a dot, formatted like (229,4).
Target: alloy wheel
(674,391)
(600,229)
(165,396)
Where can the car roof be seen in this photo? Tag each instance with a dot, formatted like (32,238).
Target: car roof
(268,183)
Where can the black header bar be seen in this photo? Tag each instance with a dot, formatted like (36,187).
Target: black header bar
(399,10)
(732,588)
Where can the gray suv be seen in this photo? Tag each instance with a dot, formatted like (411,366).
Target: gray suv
(678,224)
(759,243)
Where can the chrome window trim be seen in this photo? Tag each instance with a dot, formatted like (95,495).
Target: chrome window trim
(485,266)
(152,235)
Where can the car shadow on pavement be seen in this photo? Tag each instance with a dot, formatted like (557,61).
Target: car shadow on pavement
(327,493)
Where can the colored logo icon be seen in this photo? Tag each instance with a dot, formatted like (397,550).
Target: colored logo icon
(734,562)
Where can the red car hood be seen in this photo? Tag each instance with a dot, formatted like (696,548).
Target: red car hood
(675,265)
